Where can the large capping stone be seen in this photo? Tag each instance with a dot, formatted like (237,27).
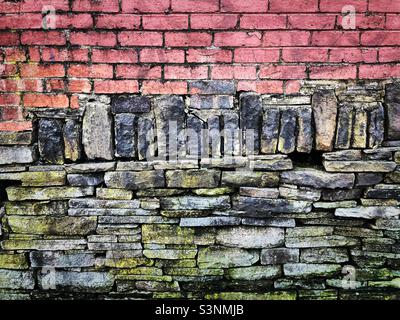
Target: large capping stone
(305,135)
(250,237)
(72,140)
(392,105)
(287,134)
(125,125)
(51,142)
(250,122)
(97,131)
(324,105)
(131,104)
(318,179)
(135,180)
(169,112)
(270,130)
(46,225)
(192,178)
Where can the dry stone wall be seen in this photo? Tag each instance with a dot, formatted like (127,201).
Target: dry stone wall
(218,195)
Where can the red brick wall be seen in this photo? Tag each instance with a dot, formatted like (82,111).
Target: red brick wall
(157,46)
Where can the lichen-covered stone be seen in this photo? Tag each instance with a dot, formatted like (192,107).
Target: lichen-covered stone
(305,135)
(324,255)
(192,178)
(134,180)
(196,203)
(51,193)
(271,163)
(368,212)
(90,167)
(37,208)
(15,138)
(360,126)
(271,193)
(318,179)
(113,194)
(43,245)
(287,135)
(250,121)
(315,242)
(209,222)
(254,273)
(279,256)
(13,261)
(52,225)
(146,138)
(270,130)
(222,257)
(250,179)
(359,166)
(250,237)
(50,138)
(324,105)
(17,280)
(97,131)
(72,140)
(257,206)
(170,254)
(57,259)
(125,135)
(85,180)
(304,270)
(36,179)
(274,295)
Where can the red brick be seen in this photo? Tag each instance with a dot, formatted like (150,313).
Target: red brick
(263,21)
(120,21)
(18,85)
(208,56)
(114,56)
(311,21)
(15,126)
(42,71)
(380,38)
(333,72)
(145,6)
(116,86)
(192,39)
(43,38)
(393,21)
(164,22)
(32,5)
(304,55)
(379,71)
(353,55)
(90,71)
(286,38)
(138,72)
(234,72)
(337,5)
(55,54)
(34,54)
(293,5)
(162,56)
(244,6)
(168,87)
(140,38)
(384,6)
(249,55)
(389,55)
(81,86)
(367,22)
(213,21)
(21,21)
(74,102)
(74,21)
(8,70)
(237,39)
(335,38)
(93,38)
(268,86)
(282,72)
(194,5)
(45,100)
(95,6)
(9,39)
(292,86)
(54,85)
(185,72)
(9,99)
(14,55)
(11,113)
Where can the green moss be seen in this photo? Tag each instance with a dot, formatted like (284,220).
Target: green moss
(276,295)
(13,261)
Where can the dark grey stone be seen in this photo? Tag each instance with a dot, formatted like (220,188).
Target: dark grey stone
(376,127)
(231,134)
(344,127)
(50,138)
(287,134)
(15,138)
(135,180)
(368,179)
(85,180)
(392,105)
(195,139)
(131,104)
(212,87)
(258,207)
(250,119)
(339,195)
(305,135)
(125,135)
(146,138)
(270,130)
(214,136)
(72,140)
